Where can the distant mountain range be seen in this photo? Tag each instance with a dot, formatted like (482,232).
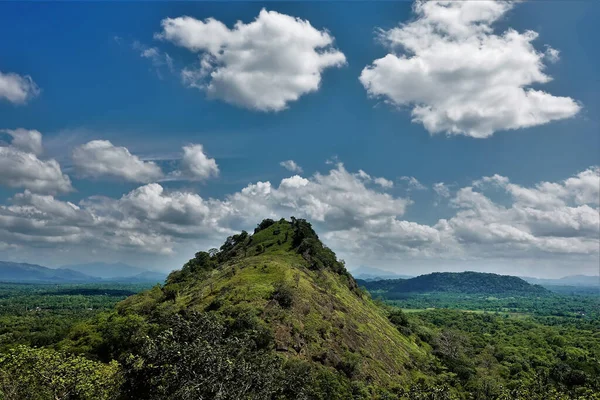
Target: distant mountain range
(107,271)
(21,272)
(142,277)
(85,273)
(373,279)
(571,280)
(451,282)
(373,274)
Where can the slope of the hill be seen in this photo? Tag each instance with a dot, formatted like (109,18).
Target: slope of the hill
(31,273)
(475,283)
(284,280)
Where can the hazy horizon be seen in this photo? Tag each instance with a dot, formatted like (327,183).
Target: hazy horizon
(353,270)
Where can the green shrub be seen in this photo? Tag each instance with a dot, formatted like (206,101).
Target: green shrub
(40,374)
(283,295)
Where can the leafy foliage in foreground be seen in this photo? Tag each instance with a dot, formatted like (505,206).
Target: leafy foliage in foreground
(40,374)
(199,356)
(196,357)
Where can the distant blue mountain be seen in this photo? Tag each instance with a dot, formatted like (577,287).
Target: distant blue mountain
(31,273)
(571,280)
(144,277)
(108,271)
(85,273)
(374,274)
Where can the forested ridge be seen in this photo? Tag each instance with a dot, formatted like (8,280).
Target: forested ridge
(275,315)
(457,282)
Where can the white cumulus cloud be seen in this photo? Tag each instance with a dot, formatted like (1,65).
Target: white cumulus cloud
(21,167)
(26,140)
(557,222)
(99,158)
(196,165)
(549,217)
(459,77)
(263,65)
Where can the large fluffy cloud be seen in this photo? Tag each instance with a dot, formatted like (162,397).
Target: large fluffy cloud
(41,221)
(459,77)
(102,158)
(339,199)
(262,65)
(151,215)
(21,167)
(557,222)
(485,227)
(17,89)
(554,216)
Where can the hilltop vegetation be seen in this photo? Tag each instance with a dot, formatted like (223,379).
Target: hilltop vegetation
(281,291)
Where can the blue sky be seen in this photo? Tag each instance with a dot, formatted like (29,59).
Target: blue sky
(95,80)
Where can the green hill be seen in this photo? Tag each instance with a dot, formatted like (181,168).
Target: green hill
(287,292)
(475,283)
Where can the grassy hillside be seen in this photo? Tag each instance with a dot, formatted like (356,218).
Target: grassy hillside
(475,283)
(284,280)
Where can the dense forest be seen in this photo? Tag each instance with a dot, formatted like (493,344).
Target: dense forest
(275,315)
(43,314)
